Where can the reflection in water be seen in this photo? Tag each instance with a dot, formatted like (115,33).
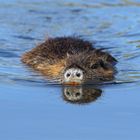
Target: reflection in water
(81,94)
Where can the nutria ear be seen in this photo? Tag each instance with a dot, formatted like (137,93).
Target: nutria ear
(111,60)
(105,56)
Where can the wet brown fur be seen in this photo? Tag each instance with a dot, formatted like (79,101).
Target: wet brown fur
(55,55)
(52,70)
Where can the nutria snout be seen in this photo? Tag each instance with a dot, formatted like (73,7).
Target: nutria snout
(71,60)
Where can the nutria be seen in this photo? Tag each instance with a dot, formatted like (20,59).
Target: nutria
(71,60)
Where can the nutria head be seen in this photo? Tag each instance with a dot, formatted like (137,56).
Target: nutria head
(86,67)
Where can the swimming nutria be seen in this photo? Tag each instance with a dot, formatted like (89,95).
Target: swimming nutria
(71,60)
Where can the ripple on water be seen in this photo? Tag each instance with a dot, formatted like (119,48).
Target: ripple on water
(117,33)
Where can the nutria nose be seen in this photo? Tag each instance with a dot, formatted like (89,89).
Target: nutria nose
(77,74)
(68,74)
(73,75)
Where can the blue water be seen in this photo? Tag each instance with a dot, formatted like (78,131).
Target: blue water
(31,108)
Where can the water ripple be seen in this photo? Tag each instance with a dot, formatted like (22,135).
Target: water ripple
(111,31)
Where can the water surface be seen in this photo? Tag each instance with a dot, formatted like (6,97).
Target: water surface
(32,109)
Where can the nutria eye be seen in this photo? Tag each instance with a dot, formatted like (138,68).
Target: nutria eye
(103,65)
(78,74)
(68,75)
(95,66)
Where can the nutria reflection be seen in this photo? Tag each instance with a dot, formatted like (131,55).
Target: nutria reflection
(80,94)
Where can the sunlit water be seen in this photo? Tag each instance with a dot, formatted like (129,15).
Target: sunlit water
(31,108)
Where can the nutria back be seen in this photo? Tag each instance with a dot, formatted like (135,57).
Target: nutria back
(54,49)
